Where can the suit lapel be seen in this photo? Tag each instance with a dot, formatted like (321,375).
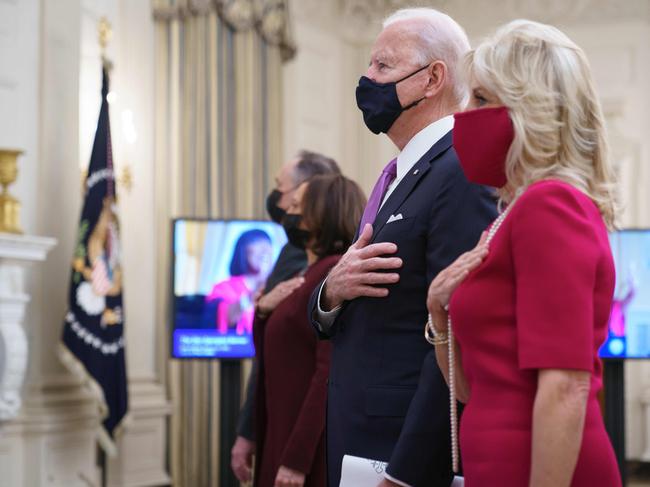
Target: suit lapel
(408,183)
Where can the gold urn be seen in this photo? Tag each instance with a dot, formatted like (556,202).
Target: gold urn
(9,206)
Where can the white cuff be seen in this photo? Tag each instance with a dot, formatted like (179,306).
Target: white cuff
(325,319)
(398,482)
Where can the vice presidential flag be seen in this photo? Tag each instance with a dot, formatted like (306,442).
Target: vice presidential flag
(93,333)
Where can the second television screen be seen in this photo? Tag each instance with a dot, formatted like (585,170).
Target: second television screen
(629,321)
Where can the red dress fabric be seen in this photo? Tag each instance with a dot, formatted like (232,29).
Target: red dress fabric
(291,392)
(540,300)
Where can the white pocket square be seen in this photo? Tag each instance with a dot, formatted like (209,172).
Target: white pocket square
(395,218)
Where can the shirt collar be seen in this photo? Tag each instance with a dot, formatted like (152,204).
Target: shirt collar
(420,143)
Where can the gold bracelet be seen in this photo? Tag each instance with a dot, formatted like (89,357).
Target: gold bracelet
(434,337)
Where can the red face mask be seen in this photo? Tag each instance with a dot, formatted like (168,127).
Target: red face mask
(482,139)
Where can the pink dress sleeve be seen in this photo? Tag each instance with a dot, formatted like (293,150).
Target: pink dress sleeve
(555,255)
(227,292)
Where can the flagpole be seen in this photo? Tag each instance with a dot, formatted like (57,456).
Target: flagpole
(105,33)
(92,339)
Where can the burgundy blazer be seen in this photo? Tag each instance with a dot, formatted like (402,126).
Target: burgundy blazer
(291,389)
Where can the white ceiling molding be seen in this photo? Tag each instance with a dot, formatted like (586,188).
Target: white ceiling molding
(362,18)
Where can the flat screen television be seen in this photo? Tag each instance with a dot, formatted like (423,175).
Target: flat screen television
(218,268)
(629,322)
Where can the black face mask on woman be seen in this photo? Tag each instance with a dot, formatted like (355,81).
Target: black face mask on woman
(380,104)
(298,237)
(275,212)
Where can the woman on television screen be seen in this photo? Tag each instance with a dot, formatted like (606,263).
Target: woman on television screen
(251,263)
(293,363)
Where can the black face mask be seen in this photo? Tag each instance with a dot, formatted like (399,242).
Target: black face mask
(380,104)
(275,212)
(298,237)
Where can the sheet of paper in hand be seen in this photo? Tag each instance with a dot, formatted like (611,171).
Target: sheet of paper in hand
(364,472)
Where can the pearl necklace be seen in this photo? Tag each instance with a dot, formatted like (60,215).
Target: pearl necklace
(453,406)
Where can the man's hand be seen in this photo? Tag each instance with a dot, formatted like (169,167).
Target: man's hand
(289,478)
(357,273)
(388,483)
(269,301)
(234,314)
(241,459)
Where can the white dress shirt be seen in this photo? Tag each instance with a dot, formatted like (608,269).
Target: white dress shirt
(413,151)
(419,144)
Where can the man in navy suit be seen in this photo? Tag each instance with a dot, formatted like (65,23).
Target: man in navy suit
(387,399)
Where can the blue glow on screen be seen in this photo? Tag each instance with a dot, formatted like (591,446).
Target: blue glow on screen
(211,344)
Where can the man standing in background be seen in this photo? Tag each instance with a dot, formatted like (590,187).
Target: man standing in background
(291,262)
(387,399)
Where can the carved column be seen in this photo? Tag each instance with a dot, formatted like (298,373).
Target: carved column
(16,254)
(47,428)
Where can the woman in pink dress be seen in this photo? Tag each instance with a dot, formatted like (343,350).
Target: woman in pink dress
(528,307)
(251,264)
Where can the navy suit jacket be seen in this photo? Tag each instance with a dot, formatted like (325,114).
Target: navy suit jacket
(387,399)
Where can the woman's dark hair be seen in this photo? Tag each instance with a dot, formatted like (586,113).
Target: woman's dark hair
(239,263)
(332,206)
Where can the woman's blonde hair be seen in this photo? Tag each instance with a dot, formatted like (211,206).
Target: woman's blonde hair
(544,79)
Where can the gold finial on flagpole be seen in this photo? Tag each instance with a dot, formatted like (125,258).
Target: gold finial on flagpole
(105,32)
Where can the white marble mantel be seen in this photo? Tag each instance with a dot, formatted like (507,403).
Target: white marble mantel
(24,248)
(17,252)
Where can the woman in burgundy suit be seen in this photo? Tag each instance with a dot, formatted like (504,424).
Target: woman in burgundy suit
(529,305)
(293,363)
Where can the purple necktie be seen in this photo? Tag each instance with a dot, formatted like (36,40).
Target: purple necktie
(374,202)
